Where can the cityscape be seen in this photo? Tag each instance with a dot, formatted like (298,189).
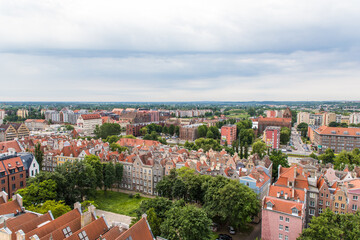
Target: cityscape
(179,120)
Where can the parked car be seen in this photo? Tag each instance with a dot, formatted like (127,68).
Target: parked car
(224,237)
(231,230)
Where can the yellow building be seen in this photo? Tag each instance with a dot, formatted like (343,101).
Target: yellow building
(23,113)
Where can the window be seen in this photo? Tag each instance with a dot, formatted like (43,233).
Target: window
(21,184)
(287,219)
(67,232)
(2,181)
(312,212)
(312,204)
(281,227)
(312,195)
(322,194)
(21,175)
(336,205)
(327,203)
(280,236)
(83,236)
(340,198)
(269,205)
(320,202)
(336,212)
(327,195)
(320,210)
(286,237)
(13,186)
(281,218)
(343,206)
(294,211)
(13,178)
(354,207)
(286,228)
(355,198)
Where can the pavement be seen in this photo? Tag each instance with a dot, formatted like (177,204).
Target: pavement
(114,217)
(255,233)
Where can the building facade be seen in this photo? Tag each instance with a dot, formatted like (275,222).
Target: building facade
(228,134)
(272,137)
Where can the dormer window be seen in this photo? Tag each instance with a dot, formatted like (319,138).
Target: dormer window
(269,205)
(295,212)
(67,232)
(83,236)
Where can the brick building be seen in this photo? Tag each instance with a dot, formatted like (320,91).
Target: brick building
(189,132)
(12,131)
(272,137)
(12,174)
(228,134)
(335,138)
(274,122)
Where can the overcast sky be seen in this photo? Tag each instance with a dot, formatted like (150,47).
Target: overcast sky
(170,50)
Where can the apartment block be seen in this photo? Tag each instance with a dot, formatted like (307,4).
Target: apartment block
(272,137)
(228,134)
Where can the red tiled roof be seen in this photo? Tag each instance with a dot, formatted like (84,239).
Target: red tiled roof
(9,207)
(139,231)
(112,234)
(284,206)
(283,120)
(72,218)
(90,116)
(325,130)
(35,120)
(93,230)
(4,146)
(298,194)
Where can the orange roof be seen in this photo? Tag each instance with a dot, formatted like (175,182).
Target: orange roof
(93,230)
(4,146)
(112,234)
(90,116)
(298,194)
(260,176)
(325,130)
(288,174)
(282,205)
(139,231)
(9,207)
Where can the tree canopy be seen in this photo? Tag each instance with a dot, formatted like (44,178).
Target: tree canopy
(107,129)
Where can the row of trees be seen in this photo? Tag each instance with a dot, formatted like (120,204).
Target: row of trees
(208,132)
(223,200)
(333,226)
(107,129)
(351,159)
(71,182)
(174,219)
(158,129)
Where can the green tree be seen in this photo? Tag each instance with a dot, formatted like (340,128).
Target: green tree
(260,148)
(119,169)
(327,157)
(38,192)
(112,139)
(210,134)
(285,135)
(202,131)
(186,223)
(303,128)
(95,162)
(39,155)
(165,130)
(57,208)
(109,175)
(143,131)
(107,129)
(333,226)
(278,158)
(171,129)
(177,130)
(117,147)
(153,221)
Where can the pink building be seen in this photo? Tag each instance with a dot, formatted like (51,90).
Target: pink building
(272,137)
(228,134)
(353,195)
(282,219)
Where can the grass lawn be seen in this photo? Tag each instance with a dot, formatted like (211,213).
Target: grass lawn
(118,202)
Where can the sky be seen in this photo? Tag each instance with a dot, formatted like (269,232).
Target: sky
(161,50)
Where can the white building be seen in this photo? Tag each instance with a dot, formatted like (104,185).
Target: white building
(355,118)
(87,123)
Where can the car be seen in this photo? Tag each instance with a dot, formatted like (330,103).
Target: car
(224,237)
(231,230)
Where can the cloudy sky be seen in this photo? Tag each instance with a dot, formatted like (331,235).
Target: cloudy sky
(179,50)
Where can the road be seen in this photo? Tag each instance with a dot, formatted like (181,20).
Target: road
(300,147)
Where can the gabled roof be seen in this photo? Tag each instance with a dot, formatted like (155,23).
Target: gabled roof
(58,223)
(112,234)
(93,230)
(10,207)
(284,206)
(4,146)
(139,231)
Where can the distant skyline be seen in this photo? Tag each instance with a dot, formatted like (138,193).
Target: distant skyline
(169,51)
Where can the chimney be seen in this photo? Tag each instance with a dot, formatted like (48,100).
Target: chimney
(278,194)
(295,170)
(292,193)
(286,196)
